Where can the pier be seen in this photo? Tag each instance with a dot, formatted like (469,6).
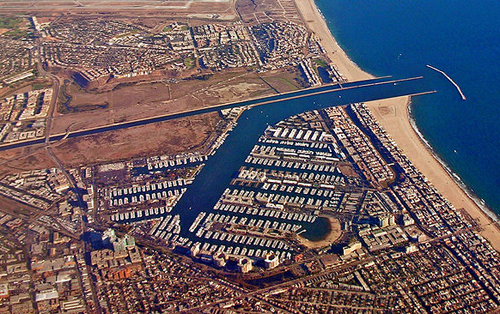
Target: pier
(449,79)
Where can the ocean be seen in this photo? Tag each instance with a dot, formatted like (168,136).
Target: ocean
(460,37)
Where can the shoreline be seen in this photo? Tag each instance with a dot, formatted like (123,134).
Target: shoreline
(470,192)
(394,115)
(331,237)
(317,24)
(495,218)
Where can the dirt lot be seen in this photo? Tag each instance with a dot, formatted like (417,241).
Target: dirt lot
(348,170)
(147,99)
(24,159)
(117,98)
(17,209)
(167,137)
(268,10)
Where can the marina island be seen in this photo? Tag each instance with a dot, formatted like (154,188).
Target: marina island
(221,157)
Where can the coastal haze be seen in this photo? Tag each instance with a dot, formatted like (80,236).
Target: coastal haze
(229,156)
(100,5)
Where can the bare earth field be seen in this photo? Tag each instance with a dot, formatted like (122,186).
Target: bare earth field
(268,10)
(24,159)
(169,137)
(149,99)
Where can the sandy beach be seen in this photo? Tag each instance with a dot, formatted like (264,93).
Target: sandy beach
(393,116)
(317,24)
(331,237)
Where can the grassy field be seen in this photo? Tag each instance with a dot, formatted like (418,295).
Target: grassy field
(15,27)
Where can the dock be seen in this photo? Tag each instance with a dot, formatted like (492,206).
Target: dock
(449,79)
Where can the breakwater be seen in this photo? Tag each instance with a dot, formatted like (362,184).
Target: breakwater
(449,79)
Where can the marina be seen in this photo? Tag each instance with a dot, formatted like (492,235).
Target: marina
(271,182)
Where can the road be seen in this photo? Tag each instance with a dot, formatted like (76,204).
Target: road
(395,88)
(324,273)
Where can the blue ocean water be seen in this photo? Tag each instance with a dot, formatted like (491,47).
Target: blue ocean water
(460,37)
